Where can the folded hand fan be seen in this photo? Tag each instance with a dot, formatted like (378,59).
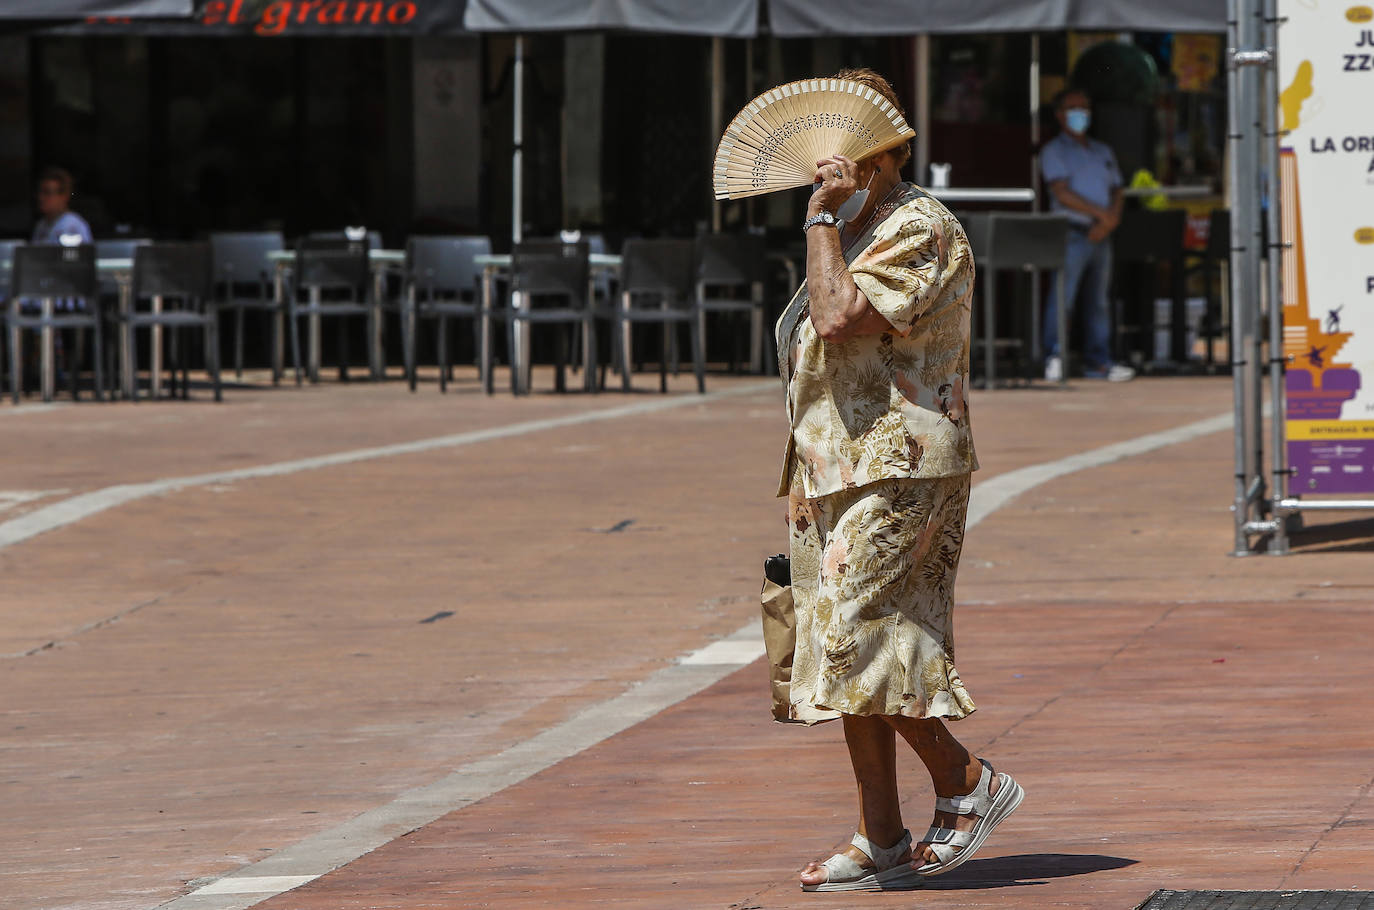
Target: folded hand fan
(775,142)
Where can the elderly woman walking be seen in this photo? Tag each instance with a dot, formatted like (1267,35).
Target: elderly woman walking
(875,351)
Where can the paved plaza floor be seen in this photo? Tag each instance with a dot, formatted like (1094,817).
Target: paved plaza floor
(351,647)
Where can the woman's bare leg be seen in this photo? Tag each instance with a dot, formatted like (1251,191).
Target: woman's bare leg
(953,770)
(873,753)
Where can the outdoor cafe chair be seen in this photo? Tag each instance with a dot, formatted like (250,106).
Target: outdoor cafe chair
(175,280)
(1215,266)
(657,285)
(338,267)
(47,274)
(551,286)
(731,270)
(242,281)
(1143,242)
(441,283)
(1023,241)
(6,264)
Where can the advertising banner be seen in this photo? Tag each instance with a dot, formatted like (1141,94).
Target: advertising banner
(284,18)
(1326,66)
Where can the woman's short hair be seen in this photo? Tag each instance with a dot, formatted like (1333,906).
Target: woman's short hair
(870,78)
(61,176)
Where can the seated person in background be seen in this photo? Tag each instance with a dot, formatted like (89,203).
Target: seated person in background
(1085,186)
(55,189)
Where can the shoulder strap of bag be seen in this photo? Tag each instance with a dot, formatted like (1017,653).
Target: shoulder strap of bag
(792,314)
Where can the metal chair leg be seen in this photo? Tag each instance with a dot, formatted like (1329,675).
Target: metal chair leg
(294,322)
(517,367)
(343,347)
(561,359)
(408,338)
(278,317)
(48,379)
(620,332)
(238,344)
(71,357)
(698,355)
(442,342)
(590,357)
(131,345)
(16,364)
(96,355)
(990,330)
(1061,315)
(663,359)
(212,355)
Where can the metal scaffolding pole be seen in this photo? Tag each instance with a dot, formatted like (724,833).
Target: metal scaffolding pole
(1253,80)
(1269,104)
(1242,115)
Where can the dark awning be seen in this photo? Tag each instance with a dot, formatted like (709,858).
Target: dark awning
(726,18)
(82,9)
(287,18)
(808,18)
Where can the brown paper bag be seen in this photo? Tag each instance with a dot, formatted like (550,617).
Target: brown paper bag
(779,640)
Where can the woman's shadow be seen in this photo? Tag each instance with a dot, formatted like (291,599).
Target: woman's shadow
(1022,869)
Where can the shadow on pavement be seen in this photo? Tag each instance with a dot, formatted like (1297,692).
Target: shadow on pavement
(1023,869)
(1346,536)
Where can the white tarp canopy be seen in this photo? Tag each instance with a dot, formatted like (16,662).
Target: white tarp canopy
(83,9)
(720,18)
(808,18)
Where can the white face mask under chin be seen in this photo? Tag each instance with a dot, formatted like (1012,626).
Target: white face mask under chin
(855,204)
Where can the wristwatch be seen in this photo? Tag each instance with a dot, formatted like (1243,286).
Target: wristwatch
(819,218)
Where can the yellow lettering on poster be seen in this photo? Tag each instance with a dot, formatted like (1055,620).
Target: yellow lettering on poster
(1331,429)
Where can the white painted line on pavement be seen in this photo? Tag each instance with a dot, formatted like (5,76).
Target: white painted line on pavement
(992,494)
(22,409)
(255,884)
(11,498)
(70,511)
(693,672)
(728,651)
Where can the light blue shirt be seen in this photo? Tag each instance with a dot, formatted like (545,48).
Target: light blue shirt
(47,232)
(1090,168)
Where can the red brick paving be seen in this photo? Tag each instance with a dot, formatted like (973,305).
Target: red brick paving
(267,675)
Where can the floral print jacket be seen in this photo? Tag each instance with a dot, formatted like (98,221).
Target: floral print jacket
(890,405)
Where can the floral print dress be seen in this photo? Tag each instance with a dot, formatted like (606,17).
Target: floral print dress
(877,476)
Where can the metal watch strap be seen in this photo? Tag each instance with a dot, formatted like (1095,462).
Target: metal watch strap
(819,218)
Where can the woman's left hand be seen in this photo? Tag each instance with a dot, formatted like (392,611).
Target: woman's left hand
(838,183)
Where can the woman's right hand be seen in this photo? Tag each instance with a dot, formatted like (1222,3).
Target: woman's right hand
(837,184)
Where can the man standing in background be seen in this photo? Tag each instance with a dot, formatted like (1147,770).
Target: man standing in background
(1085,185)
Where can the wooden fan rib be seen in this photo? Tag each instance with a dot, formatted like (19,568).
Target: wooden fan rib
(782,152)
(755,152)
(774,141)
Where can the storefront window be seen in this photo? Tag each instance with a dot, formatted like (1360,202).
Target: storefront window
(980,109)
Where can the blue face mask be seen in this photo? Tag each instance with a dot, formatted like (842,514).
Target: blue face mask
(1077,120)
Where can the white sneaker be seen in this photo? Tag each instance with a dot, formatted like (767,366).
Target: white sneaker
(1119,372)
(1054,369)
